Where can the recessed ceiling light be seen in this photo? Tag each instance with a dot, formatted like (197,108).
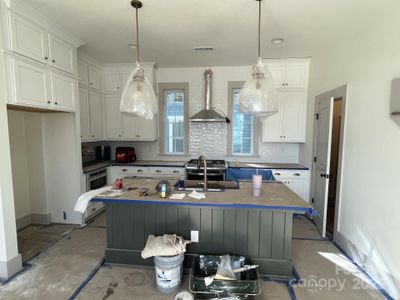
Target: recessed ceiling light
(277,41)
(203,48)
(133,46)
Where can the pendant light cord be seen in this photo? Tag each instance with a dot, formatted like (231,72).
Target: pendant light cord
(137,37)
(259,29)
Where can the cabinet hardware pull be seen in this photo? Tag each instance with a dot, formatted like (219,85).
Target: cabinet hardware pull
(46,58)
(277,174)
(283,84)
(158,171)
(93,136)
(124,170)
(90,83)
(119,135)
(49,102)
(296,174)
(175,172)
(53,60)
(140,170)
(93,209)
(117,87)
(56,103)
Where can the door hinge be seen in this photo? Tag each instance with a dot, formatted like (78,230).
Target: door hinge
(315,159)
(312,200)
(316,116)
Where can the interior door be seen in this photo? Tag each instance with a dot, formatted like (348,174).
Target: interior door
(322,160)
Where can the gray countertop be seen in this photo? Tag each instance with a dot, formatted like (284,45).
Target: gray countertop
(153,163)
(264,165)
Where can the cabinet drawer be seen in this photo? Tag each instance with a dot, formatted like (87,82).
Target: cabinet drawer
(130,171)
(282,174)
(168,171)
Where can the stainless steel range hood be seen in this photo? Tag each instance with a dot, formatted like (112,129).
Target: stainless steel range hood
(207,114)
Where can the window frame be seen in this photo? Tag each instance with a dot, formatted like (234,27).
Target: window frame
(162,87)
(234,85)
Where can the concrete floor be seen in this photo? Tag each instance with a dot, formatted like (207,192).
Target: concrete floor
(59,270)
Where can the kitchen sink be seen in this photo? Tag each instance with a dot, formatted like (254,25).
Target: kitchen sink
(212,186)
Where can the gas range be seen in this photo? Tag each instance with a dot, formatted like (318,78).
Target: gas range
(215,169)
(212,164)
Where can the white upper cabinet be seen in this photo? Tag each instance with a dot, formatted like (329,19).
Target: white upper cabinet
(61,54)
(28,83)
(94,77)
(113,117)
(84,112)
(83,72)
(112,82)
(95,115)
(27,38)
(63,91)
(288,124)
(289,74)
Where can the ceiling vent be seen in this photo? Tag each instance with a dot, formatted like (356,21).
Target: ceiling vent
(203,48)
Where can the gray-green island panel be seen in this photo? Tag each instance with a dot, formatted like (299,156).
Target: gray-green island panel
(228,222)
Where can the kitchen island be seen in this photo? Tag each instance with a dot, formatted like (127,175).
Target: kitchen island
(231,221)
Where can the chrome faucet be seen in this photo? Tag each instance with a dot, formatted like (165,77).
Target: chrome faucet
(204,159)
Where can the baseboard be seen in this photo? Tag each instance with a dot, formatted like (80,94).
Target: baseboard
(41,219)
(10,267)
(23,221)
(387,281)
(36,219)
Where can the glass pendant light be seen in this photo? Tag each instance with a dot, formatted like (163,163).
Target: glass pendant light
(138,97)
(258,95)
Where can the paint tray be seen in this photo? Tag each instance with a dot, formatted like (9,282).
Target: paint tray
(247,287)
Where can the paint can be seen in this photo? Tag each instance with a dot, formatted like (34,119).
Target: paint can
(169,272)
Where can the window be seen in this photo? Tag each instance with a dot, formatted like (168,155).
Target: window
(173,117)
(242,130)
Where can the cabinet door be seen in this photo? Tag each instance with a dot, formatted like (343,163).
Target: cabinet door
(84,112)
(146,129)
(61,54)
(63,91)
(129,126)
(27,38)
(294,117)
(298,186)
(272,126)
(94,77)
(113,117)
(124,78)
(83,72)
(112,81)
(278,75)
(30,84)
(95,115)
(295,76)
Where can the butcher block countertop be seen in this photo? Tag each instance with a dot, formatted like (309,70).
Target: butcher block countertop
(275,195)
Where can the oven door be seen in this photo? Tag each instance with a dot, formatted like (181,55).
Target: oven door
(96,180)
(199,175)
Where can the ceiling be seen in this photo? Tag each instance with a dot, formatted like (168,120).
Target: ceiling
(169,29)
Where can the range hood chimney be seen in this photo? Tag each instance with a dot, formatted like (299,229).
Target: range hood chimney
(207,114)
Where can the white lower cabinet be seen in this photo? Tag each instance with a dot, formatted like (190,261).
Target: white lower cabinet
(297,180)
(288,125)
(144,171)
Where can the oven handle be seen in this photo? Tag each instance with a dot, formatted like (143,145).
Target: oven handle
(97,175)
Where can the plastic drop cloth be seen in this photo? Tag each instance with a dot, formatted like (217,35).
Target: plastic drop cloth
(166,245)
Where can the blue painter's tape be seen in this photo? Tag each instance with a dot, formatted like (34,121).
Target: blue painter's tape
(88,278)
(272,207)
(374,283)
(288,282)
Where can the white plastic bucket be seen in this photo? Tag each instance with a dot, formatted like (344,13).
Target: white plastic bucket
(169,272)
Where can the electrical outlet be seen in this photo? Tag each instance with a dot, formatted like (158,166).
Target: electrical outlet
(194,236)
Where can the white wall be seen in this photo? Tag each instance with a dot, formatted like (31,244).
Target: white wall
(369,205)
(19,163)
(216,132)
